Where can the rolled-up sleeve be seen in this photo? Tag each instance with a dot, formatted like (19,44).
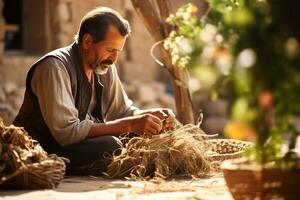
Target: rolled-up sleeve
(52,86)
(116,102)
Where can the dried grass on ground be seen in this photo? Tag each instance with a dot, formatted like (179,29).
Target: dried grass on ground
(184,151)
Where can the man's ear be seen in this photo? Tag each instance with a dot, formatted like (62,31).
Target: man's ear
(87,41)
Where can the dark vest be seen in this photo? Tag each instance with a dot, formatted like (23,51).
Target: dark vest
(30,116)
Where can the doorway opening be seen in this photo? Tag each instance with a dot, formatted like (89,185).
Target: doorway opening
(12,13)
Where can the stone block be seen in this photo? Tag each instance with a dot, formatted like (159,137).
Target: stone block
(159,87)
(15,101)
(63,39)
(2,94)
(10,88)
(7,113)
(130,90)
(36,27)
(68,29)
(167,101)
(15,67)
(146,94)
(63,12)
(151,105)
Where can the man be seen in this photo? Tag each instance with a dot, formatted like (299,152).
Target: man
(74,103)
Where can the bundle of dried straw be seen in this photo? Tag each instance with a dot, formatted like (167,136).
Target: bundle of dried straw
(23,162)
(184,151)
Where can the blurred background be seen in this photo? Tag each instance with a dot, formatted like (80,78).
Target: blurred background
(31,28)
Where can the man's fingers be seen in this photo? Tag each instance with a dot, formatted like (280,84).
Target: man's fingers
(169,122)
(154,131)
(154,125)
(156,119)
(170,125)
(151,131)
(161,114)
(157,127)
(169,112)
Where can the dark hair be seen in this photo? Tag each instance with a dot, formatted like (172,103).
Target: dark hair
(97,21)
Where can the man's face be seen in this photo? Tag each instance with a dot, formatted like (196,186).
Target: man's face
(103,54)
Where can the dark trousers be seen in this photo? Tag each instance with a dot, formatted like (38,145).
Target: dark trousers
(90,156)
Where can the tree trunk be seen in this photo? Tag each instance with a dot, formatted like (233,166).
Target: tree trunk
(156,24)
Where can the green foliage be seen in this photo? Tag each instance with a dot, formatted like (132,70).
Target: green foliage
(249,52)
(270,151)
(178,42)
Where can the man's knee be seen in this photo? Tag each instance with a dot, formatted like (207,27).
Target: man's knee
(91,149)
(92,154)
(114,145)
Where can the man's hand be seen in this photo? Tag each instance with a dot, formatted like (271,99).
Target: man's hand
(150,122)
(145,124)
(140,124)
(166,116)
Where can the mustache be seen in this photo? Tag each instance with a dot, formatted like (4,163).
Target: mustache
(107,62)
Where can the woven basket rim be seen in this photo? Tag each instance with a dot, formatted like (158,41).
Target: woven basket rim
(244,164)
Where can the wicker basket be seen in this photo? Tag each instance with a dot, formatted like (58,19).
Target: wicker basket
(226,149)
(36,176)
(247,182)
(46,173)
(23,162)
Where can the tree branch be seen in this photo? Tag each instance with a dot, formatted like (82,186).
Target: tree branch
(150,18)
(164,10)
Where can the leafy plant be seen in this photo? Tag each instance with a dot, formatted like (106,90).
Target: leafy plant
(247,51)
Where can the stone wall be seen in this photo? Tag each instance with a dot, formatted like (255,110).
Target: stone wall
(11,97)
(12,83)
(62,21)
(36,36)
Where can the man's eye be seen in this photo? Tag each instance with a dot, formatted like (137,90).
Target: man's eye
(110,50)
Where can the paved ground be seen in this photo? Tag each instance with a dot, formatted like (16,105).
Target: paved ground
(96,188)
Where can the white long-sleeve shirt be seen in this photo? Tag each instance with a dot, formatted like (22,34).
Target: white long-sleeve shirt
(52,85)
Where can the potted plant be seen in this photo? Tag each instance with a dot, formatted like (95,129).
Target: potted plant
(248,51)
